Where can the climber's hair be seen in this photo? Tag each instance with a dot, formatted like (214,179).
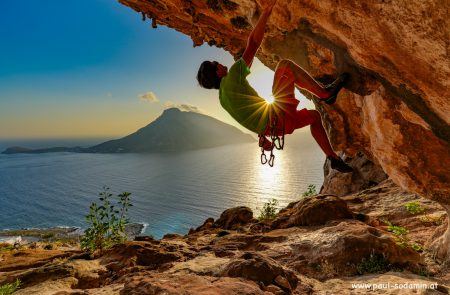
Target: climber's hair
(207,75)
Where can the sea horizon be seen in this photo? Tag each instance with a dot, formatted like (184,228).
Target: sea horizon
(46,142)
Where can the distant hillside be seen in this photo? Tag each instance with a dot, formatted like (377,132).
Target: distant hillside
(23,150)
(174,130)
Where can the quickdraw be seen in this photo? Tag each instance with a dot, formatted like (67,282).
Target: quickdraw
(276,142)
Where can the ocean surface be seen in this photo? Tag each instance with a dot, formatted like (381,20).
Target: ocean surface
(171,192)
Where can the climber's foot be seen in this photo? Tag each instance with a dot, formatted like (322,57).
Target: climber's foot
(339,165)
(335,87)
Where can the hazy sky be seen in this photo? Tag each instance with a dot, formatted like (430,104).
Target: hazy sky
(92,68)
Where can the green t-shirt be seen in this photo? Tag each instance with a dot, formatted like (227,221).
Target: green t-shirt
(239,99)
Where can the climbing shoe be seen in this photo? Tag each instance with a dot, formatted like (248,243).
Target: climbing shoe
(336,86)
(339,165)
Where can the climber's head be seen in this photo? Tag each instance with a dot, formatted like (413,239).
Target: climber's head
(210,74)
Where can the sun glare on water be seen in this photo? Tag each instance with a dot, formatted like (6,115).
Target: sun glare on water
(270,180)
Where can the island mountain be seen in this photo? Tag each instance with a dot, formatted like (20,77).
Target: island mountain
(173,131)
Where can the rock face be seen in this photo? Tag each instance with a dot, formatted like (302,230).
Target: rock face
(366,174)
(395,108)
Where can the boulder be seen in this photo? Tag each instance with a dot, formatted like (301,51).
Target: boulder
(234,218)
(255,267)
(344,245)
(177,284)
(150,254)
(205,226)
(315,210)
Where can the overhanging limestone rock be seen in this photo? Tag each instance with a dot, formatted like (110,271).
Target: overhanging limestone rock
(396,107)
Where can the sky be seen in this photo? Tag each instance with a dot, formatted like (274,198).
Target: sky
(93,68)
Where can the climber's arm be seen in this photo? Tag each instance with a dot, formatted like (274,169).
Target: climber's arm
(257,35)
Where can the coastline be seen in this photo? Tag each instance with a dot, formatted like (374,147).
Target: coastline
(30,235)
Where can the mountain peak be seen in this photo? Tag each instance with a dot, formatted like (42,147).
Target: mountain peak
(172,110)
(176,130)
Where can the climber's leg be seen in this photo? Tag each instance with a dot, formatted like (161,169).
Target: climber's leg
(301,79)
(283,90)
(312,118)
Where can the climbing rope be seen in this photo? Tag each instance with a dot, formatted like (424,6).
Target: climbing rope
(276,142)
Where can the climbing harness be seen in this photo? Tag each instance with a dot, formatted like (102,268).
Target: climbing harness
(276,141)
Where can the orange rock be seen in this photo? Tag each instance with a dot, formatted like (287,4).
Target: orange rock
(396,105)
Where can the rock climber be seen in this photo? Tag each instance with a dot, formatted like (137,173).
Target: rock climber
(280,117)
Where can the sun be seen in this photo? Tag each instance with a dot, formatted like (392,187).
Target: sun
(261,78)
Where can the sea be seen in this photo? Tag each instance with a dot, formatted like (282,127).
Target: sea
(170,192)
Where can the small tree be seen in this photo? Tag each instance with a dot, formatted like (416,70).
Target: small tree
(106,223)
(414,208)
(311,190)
(10,288)
(269,211)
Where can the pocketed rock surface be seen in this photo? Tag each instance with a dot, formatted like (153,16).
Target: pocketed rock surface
(266,257)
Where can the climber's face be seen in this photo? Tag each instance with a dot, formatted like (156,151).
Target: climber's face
(221,70)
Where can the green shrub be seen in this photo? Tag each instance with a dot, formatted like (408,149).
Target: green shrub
(414,208)
(269,211)
(417,247)
(48,236)
(7,289)
(401,237)
(422,271)
(400,233)
(397,230)
(106,223)
(311,190)
(374,264)
(4,247)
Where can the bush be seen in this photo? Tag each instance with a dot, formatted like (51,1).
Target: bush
(414,208)
(400,233)
(7,289)
(401,237)
(311,190)
(397,230)
(4,247)
(269,211)
(106,223)
(417,247)
(374,264)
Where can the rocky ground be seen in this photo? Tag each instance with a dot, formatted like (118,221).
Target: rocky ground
(318,245)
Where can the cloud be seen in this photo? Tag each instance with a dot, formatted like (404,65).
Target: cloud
(182,106)
(148,96)
(109,94)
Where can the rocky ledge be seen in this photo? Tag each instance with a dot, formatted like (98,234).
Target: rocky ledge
(317,245)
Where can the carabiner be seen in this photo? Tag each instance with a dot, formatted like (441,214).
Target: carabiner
(271,160)
(263,158)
